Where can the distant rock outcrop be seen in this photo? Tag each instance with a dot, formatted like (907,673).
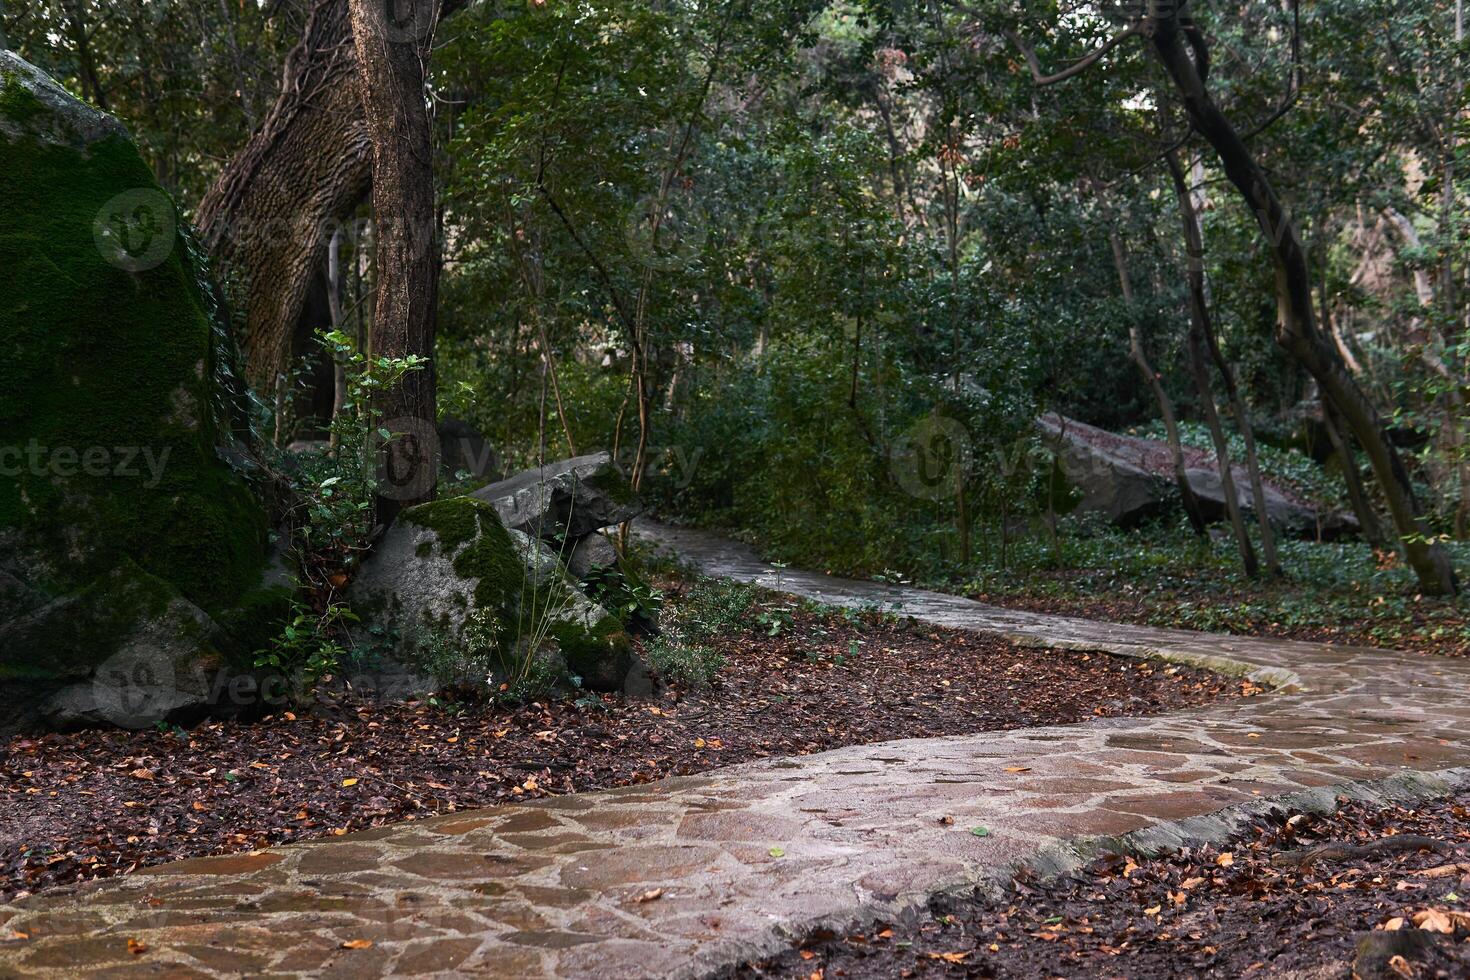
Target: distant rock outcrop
(1128,479)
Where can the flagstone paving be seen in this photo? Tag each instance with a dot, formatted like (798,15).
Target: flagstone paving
(689,875)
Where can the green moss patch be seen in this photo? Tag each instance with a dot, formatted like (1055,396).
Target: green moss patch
(106,411)
(66,640)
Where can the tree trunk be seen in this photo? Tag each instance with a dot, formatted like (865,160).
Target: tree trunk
(1166,405)
(1357,493)
(1297,331)
(269,216)
(334,304)
(81,38)
(393,63)
(1202,338)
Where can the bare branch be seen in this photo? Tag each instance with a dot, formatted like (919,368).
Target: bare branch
(1087,62)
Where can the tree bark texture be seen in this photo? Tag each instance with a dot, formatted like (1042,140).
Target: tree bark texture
(392,60)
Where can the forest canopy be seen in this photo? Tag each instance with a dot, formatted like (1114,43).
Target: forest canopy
(765,252)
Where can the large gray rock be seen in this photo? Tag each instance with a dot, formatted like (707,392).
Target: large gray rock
(449,578)
(1108,472)
(1128,479)
(126,651)
(563,501)
(117,384)
(593,554)
(464,448)
(57,119)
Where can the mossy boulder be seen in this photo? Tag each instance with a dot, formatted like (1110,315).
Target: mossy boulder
(563,501)
(449,573)
(117,401)
(161,657)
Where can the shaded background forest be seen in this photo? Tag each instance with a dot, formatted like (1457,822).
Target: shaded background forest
(814,232)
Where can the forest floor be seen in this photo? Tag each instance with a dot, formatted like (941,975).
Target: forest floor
(1240,909)
(796,680)
(1163,576)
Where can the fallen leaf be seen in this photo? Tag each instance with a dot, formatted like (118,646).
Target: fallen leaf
(141,774)
(776,852)
(349,782)
(1433,920)
(1018,768)
(1225,860)
(358,944)
(949,957)
(980,831)
(137,948)
(651,895)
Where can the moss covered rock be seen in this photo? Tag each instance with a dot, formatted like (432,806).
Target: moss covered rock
(564,501)
(127,650)
(449,573)
(113,414)
(108,360)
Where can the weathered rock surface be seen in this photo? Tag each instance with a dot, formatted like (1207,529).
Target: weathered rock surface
(128,650)
(450,576)
(592,554)
(464,448)
(1128,479)
(115,395)
(561,501)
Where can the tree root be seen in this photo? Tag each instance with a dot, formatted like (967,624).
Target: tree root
(1339,851)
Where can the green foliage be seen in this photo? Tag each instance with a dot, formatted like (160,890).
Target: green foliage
(690,665)
(624,590)
(336,489)
(309,647)
(710,610)
(1164,575)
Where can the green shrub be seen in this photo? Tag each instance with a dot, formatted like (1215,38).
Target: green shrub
(689,664)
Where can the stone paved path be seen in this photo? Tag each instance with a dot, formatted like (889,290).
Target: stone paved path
(747,855)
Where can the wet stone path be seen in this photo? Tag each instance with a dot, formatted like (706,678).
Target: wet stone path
(689,875)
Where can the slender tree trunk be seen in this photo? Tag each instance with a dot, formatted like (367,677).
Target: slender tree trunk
(334,306)
(1202,339)
(393,64)
(81,38)
(1192,507)
(1297,331)
(1357,493)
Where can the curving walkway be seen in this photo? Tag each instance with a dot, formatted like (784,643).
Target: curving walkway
(686,876)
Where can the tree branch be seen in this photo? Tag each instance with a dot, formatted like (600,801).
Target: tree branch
(1087,61)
